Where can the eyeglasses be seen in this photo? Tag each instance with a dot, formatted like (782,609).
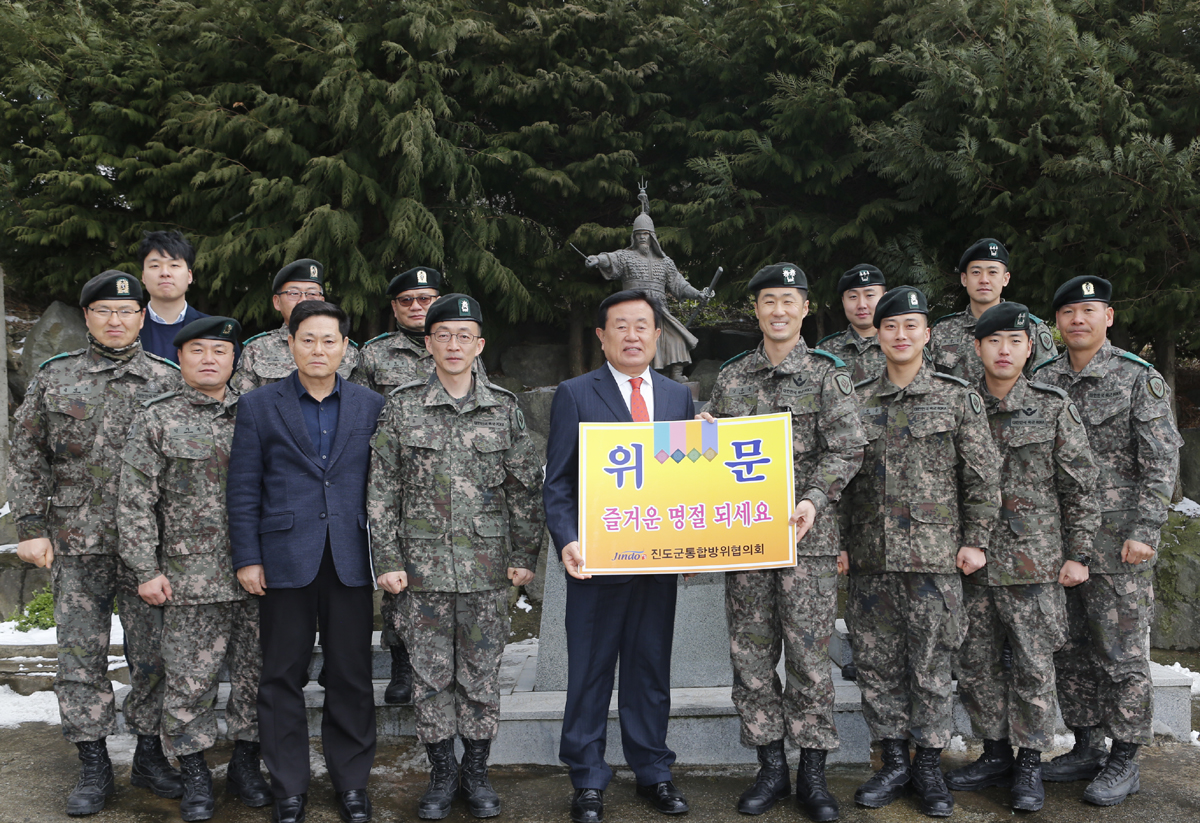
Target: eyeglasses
(423,299)
(296,294)
(124,314)
(463,337)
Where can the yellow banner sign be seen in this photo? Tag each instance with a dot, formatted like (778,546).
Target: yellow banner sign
(686,496)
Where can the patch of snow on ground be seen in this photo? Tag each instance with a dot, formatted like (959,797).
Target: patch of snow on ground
(10,636)
(120,747)
(522,603)
(15,709)
(957,744)
(1177,667)
(1187,506)
(1195,738)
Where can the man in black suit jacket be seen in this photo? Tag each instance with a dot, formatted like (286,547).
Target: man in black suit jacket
(627,616)
(296,497)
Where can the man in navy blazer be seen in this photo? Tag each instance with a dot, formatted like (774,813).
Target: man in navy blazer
(627,616)
(296,497)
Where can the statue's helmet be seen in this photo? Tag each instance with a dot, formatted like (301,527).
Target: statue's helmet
(643,223)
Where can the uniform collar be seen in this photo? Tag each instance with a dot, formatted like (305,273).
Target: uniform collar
(1015,399)
(138,364)
(198,398)
(436,394)
(921,384)
(789,365)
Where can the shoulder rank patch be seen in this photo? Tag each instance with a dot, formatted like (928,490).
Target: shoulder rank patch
(162,360)
(377,337)
(1074,413)
(1128,355)
(944,317)
(843,383)
(827,337)
(1033,318)
(1046,387)
(352,343)
(837,361)
(736,358)
(976,403)
(250,340)
(60,357)
(951,377)
(407,385)
(1046,363)
(164,396)
(1157,387)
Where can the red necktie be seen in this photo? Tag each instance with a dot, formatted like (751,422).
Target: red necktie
(637,403)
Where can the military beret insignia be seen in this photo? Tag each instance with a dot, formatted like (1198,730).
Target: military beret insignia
(976,403)
(1074,413)
(123,286)
(1157,387)
(422,277)
(843,383)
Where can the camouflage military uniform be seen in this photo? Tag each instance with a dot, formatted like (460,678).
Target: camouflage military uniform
(794,608)
(928,485)
(862,356)
(952,346)
(66,445)
(1104,669)
(266,359)
(385,363)
(1047,515)
(172,521)
(454,497)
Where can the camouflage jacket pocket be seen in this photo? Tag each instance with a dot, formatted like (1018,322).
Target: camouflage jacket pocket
(419,529)
(940,424)
(1033,524)
(1100,410)
(490,524)
(70,496)
(73,423)
(1031,453)
(804,430)
(490,446)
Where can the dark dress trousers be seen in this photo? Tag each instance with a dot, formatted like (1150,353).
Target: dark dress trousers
(631,617)
(302,516)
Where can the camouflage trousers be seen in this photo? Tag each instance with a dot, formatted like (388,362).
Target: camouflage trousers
(1020,704)
(196,640)
(1104,668)
(85,587)
(456,641)
(905,628)
(389,613)
(789,610)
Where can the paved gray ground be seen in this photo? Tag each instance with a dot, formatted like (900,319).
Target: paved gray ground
(37,768)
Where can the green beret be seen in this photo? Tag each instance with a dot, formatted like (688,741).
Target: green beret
(860,276)
(111,285)
(787,275)
(988,248)
(453,307)
(1083,289)
(422,277)
(1004,317)
(299,271)
(209,328)
(900,300)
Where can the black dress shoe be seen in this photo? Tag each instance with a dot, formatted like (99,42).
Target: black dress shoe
(587,806)
(354,806)
(290,809)
(664,797)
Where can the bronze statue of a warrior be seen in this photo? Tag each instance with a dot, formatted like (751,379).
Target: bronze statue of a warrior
(644,266)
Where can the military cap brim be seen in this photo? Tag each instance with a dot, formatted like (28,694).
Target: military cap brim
(1083,289)
(778,275)
(209,328)
(1005,316)
(453,306)
(305,270)
(112,285)
(900,300)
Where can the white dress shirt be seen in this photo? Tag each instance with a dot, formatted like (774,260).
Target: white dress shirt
(646,389)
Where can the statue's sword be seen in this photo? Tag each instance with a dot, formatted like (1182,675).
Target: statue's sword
(712,287)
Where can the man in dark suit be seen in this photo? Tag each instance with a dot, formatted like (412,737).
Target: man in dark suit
(298,526)
(627,616)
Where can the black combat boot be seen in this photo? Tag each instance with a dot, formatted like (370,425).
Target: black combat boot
(812,793)
(1119,778)
(1083,762)
(198,801)
(993,768)
(399,690)
(473,785)
(772,783)
(1027,792)
(244,779)
(889,782)
(443,779)
(929,785)
(151,769)
(95,779)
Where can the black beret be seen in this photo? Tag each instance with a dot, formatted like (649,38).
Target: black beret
(453,307)
(1004,317)
(112,285)
(776,275)
(988,248)
(300,271)
(209,328)
(861,275)
(422,277)
(900,300)
(1083,289)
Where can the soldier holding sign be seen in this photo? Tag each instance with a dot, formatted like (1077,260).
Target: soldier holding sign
(791,609)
